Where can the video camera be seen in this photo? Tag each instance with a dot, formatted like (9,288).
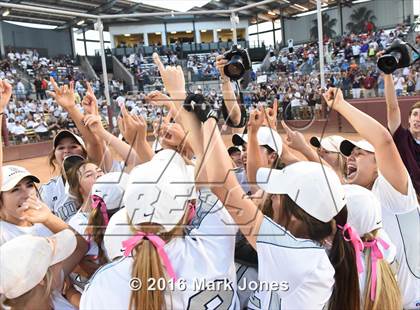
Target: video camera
(396,56)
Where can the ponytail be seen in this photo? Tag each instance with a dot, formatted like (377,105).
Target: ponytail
(96,229)
(146,265)
(346,292)
(387,295)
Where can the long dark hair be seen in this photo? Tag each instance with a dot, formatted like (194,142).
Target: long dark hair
(346,293)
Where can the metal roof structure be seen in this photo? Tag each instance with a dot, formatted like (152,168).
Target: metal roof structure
(53,9)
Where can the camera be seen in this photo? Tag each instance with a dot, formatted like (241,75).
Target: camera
(238,62)
(396,56)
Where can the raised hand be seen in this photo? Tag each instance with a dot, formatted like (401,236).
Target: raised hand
(220,64)
(94,123)
(132,126)
(89,101)
(173,79)
(158,99)
(333,97)
(64,95)
(256,119)
(271,116)
(5,94)
(294,139)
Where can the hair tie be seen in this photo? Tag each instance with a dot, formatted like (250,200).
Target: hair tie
(355,241)
(375,255)
(157,242)
(98,202)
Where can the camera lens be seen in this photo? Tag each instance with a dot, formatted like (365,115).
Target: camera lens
(235,68)
(388,63)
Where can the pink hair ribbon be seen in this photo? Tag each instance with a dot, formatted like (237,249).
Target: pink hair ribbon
(191,211)
(375,255)
(98,202)
(356,242)
(157,242)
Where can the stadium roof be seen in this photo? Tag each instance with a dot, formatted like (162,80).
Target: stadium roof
(266,11)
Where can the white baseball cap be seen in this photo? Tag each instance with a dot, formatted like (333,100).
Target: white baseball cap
(117,231)
(330,143)
(265,136)
(314,187)
(297,95)
(110,187)
(65,134)
(347,146)
(158,190)
(364,209)
(12,175)
(24,260)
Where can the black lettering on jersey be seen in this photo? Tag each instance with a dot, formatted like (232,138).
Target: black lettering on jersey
(67,210)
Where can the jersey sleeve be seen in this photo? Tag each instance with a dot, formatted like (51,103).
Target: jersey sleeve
(393,200)
(284,258)
(44,192)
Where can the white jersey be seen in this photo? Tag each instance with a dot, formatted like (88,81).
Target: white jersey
(203,258)
(54,195)
(298,271)
(79,222)
(9,231)
(401,220)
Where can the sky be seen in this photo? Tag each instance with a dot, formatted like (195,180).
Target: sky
(176,5)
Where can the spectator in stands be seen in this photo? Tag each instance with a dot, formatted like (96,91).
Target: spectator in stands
(20,90)
(356,88)
(19,131)
(369,86)
(399,84)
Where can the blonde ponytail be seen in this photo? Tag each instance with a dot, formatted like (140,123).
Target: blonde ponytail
(388,294)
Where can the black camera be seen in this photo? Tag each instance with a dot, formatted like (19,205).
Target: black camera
(239,62)
(396,56)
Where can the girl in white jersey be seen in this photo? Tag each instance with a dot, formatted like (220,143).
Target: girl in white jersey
(375,164)
(165,266)
(32,270)
(378,285)
(309,212)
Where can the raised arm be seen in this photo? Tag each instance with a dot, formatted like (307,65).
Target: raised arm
(229,96)
(254,161)
(225,184)
(123,149)
(392,109)
(389,162)
(5,94)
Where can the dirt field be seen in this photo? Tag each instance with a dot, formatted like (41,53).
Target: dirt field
(39,165)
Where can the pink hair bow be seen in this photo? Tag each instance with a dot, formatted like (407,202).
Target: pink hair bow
(356,242)
(157,242)
(98,202)
(191,211)
(375,255)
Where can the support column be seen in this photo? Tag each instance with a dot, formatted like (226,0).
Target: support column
(2,51)
(198,36)
(233,22)
(320,44)
(215,36)
(104,72)
(84,41)
(145,39)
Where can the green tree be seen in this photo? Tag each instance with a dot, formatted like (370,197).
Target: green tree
(358,19)
(328,25)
